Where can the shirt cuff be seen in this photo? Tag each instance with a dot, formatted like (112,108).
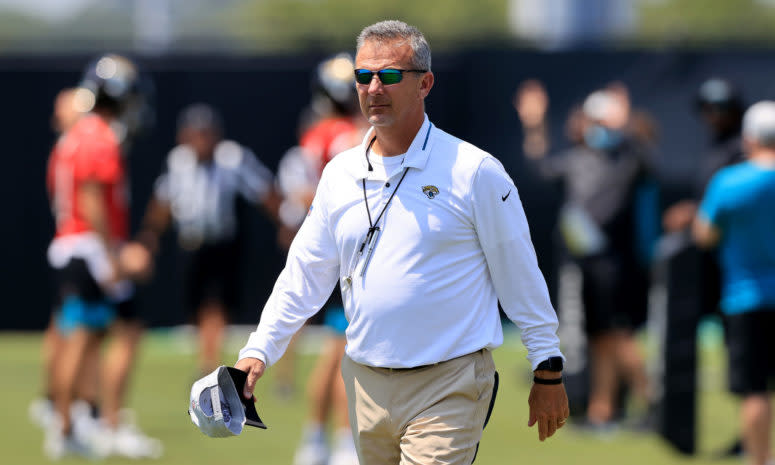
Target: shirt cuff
(253,353)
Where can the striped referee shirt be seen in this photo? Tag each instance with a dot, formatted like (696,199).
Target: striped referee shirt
(202,196)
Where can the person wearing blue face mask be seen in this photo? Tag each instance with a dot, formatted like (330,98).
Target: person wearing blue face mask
(601,176)
(599,137)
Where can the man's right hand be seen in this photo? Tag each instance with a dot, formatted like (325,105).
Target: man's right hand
(255,369)
(679,216)
(134,261)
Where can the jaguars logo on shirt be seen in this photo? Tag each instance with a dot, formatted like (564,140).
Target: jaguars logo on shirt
(430,191)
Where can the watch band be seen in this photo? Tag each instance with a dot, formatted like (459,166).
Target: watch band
(538,380)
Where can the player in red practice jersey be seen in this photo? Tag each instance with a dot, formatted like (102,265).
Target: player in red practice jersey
(88,158)
(65,114)
(330,136)
(86,181)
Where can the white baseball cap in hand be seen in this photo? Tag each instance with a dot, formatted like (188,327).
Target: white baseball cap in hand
(216,407)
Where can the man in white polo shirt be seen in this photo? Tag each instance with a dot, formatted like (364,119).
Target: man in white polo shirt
(424,234)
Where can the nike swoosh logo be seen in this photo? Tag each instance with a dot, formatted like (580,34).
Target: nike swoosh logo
(506,196)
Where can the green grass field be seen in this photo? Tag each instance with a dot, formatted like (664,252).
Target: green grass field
(166,370)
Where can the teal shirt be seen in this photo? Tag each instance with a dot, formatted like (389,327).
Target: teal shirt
(740,202)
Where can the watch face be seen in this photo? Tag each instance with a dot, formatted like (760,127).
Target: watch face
(556,363)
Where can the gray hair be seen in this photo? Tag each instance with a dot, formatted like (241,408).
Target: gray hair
(390,30)
(759,123)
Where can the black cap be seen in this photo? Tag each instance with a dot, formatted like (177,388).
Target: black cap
(718,93)
(251,415)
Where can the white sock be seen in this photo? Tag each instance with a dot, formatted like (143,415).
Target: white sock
(344,438)
(313,432)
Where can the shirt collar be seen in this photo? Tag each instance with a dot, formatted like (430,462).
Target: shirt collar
(416,155)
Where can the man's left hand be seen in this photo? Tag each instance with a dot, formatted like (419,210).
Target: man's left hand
(548,407)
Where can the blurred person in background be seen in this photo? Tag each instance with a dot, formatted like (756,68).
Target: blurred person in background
(720,106)
(41,411)
(68,108)
(90,253)
(331,124)
(692,276)
(736,216)
(603,174)
(94,394)
(64,116)
(118,431)
(204,177)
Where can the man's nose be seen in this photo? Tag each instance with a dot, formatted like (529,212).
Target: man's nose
(375,85)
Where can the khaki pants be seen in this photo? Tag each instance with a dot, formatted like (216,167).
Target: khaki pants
(421,416)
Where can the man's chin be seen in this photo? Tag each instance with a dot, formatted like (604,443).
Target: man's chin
(380,120)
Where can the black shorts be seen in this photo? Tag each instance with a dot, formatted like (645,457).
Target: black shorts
(614,294)
(75,279)
(81,301)
(751,344)
(212,274)
(127,309)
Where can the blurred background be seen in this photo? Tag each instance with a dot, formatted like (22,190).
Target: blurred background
(253,60)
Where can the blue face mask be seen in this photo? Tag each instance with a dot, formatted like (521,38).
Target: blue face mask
(602,138)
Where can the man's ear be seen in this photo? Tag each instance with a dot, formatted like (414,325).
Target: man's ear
(426,83)
(749,146)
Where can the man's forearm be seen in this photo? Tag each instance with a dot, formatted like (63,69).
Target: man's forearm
(155,222)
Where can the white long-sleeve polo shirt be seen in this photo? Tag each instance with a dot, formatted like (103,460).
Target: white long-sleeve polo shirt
(454,241)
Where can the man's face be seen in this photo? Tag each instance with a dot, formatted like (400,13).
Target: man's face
(65,110)
(382,104)
(201,140)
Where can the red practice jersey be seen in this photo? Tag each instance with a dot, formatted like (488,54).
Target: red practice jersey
(88,152)
(328,137)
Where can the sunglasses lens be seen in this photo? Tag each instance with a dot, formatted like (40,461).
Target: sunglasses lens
(363,76)
(390,76)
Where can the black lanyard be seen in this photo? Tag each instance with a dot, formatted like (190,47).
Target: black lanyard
(373,225)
